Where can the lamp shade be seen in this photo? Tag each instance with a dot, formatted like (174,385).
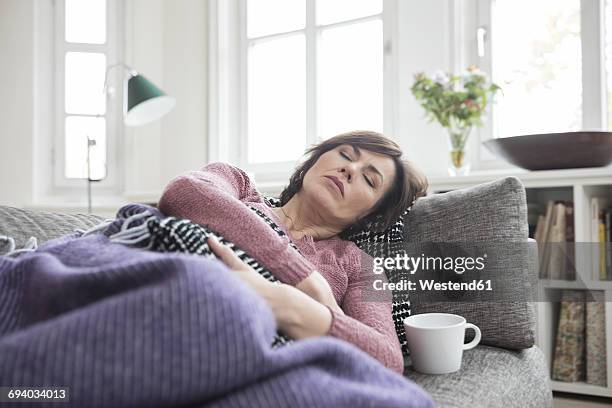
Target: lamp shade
(145,102)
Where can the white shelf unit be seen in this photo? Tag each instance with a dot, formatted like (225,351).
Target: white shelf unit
(579,186)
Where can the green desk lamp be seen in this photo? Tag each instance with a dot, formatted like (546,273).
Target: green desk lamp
(143,102)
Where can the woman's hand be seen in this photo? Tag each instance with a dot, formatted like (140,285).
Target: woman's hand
(297,314)
(314,285)
(317,287)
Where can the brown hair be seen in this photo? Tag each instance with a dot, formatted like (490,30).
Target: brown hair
(410,183)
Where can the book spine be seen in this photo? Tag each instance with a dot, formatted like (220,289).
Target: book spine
(545,247)
(569,221)
(569,357)
(602,251)
(596,366)
(595,238)
(608,246)
(557,261)
(570,266)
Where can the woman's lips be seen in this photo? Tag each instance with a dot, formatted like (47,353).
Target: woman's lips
(338,184)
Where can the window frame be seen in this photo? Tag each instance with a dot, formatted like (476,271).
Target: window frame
(112,48)
(228,91)
(594,86)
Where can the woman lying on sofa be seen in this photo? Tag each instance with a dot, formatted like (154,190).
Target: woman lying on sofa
(346,181)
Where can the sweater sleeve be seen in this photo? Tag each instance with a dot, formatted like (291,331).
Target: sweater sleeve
(215,197)
(368,324)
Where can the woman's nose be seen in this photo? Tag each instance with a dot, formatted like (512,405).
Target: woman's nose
(347,172)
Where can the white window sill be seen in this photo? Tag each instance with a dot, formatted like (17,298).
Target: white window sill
(105,206)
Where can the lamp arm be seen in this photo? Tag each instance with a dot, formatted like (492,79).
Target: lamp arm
(131,70)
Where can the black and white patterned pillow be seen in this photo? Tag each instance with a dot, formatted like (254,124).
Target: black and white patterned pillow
(379,242)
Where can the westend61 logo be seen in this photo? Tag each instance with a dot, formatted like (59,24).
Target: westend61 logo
(411,264)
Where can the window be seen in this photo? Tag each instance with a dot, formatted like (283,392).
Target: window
(86,42)
(546,57)
(314,69)
(306,69)
(537,67)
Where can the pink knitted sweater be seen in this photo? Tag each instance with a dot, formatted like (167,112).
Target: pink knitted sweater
(217,196)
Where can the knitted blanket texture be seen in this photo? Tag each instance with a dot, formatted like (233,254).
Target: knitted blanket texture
(126,327)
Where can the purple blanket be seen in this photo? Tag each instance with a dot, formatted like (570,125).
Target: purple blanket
(125,327)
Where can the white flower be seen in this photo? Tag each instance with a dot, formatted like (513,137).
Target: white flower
(440,77)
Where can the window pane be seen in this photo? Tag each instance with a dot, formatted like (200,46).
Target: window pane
(332,11)
(85,83)
(86,21)
(350,74)
(277,100)
(274,16)
(77,130)
(538,65)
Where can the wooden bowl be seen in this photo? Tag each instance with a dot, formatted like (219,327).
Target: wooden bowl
(555,150)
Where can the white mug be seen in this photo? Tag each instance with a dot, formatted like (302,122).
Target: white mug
(436,340)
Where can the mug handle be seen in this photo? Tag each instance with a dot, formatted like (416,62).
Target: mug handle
(476,340)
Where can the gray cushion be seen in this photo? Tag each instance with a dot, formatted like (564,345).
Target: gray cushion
(22,224)
(492,216)
(491,377)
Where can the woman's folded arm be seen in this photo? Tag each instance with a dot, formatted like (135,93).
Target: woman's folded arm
(368,323)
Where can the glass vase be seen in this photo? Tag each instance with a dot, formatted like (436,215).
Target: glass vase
(459,164)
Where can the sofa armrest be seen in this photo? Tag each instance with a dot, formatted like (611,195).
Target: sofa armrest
(492,216)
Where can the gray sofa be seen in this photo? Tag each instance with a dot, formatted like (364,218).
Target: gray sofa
(506,370)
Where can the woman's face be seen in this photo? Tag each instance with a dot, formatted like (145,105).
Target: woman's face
(346,182)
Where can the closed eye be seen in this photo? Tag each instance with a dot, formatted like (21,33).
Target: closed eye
(368,181)
(345,156)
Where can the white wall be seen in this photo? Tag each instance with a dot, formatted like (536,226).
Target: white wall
(16,101)
(186,73)
(167,42)
(423,47)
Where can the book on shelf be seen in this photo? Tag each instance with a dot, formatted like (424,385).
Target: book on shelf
(569,356)
(570,238)
(557,263)
(598,238)
(543,238)
(596,367)
(555,233)
(607,213)
(605,246)
(601,266)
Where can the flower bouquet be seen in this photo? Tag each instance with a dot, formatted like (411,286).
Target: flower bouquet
(457,103)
